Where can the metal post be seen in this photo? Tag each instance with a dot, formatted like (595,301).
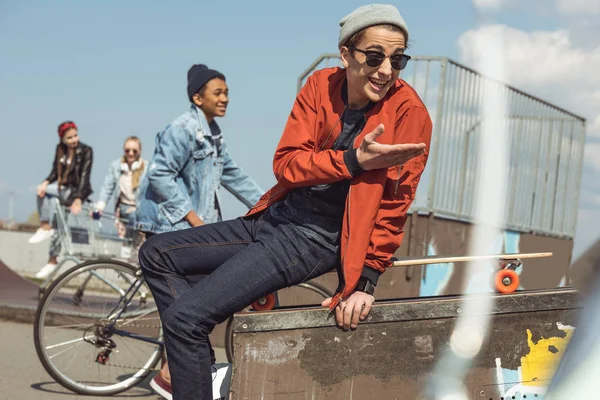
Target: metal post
(434,151)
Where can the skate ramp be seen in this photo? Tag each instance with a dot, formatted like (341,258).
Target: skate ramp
(16,290)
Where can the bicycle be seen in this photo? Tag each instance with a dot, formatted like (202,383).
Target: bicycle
(106,306)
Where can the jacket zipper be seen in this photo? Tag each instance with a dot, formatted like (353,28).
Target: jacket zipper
(331,130)
(259,204)
(346,249)
(348,241)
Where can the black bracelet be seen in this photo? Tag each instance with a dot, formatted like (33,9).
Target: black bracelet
(365,285)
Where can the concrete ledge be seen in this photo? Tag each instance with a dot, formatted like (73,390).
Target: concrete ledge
(17,313)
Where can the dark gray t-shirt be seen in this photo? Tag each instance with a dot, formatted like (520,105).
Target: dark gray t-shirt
(318,210)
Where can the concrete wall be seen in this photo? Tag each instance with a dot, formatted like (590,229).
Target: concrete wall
(301,354)
(21,256)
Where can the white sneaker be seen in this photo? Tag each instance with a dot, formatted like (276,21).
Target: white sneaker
(46,271)
(221,380)
(41,235)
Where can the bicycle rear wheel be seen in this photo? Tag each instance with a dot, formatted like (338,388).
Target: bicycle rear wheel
(305,293)
(86,336)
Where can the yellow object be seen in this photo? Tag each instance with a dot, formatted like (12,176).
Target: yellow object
(538,367)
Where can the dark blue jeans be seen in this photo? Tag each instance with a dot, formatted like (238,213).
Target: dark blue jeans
(240,261)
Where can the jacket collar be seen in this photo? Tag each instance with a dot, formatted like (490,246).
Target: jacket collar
(204,128)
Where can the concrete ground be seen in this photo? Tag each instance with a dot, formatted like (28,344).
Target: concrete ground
(23,377)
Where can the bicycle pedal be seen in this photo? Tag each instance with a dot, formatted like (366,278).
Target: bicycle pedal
(103,358)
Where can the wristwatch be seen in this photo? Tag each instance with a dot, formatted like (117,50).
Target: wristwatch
(365,285)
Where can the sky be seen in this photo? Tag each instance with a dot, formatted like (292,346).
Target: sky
(119,68)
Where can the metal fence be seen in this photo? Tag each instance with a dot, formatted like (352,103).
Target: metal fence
(545,148)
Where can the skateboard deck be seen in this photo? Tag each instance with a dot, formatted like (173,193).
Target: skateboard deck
(406,261)
(506,279)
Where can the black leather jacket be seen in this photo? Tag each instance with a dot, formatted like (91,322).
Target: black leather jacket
(78,179)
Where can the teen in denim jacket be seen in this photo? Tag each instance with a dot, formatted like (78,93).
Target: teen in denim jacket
(191,162)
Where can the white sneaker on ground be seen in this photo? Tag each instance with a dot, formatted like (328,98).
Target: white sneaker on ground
(46,271)
(40,235)
(221,381)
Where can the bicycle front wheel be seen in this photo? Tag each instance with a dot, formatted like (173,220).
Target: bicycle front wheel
(305,293)
(97,329)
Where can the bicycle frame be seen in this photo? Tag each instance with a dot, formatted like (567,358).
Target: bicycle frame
(120,308)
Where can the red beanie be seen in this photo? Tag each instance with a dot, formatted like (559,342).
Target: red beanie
(64,127)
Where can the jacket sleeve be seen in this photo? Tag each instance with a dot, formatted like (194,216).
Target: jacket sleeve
(237,182)
(87,157)
(108,186)
(53,173)
(414,126)
(296,163)
(172,153)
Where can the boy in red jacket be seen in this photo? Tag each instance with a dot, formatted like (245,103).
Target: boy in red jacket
(347,167)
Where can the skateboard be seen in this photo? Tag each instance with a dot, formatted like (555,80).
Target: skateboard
(506,279)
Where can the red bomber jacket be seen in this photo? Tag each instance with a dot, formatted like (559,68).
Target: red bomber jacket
(378,200)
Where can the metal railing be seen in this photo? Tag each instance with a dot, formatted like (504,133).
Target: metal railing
(546,148)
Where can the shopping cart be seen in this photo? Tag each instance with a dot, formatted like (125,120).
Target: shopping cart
(91,235)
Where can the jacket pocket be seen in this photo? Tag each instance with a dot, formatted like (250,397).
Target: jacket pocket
(203,159)
(202,153)
(394,186)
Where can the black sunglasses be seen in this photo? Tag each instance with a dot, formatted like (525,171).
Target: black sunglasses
(375,58)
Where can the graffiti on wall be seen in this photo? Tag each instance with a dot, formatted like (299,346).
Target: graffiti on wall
(537,367)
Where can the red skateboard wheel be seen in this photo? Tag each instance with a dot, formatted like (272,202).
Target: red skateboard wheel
(264,303)
(507,281)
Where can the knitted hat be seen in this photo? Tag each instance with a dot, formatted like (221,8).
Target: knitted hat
(198,75)
(370,15)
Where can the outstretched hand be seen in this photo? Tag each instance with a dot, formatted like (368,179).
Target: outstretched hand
(356,308)
(373,155)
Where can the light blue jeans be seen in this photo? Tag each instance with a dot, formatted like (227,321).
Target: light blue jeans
(46,211)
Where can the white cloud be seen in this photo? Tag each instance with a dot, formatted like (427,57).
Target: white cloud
(542,7)
(489,4)
(536,58)
(592,155)
(547,64)
(582,7)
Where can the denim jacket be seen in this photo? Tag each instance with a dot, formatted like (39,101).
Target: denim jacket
(189,165)
(110,187)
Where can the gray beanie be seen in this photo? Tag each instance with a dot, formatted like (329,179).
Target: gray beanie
(369,15)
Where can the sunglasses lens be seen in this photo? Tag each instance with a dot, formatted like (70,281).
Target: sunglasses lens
(374,59)
(133,151)
(399,62)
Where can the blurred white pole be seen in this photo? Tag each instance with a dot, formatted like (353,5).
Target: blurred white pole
(472,324)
